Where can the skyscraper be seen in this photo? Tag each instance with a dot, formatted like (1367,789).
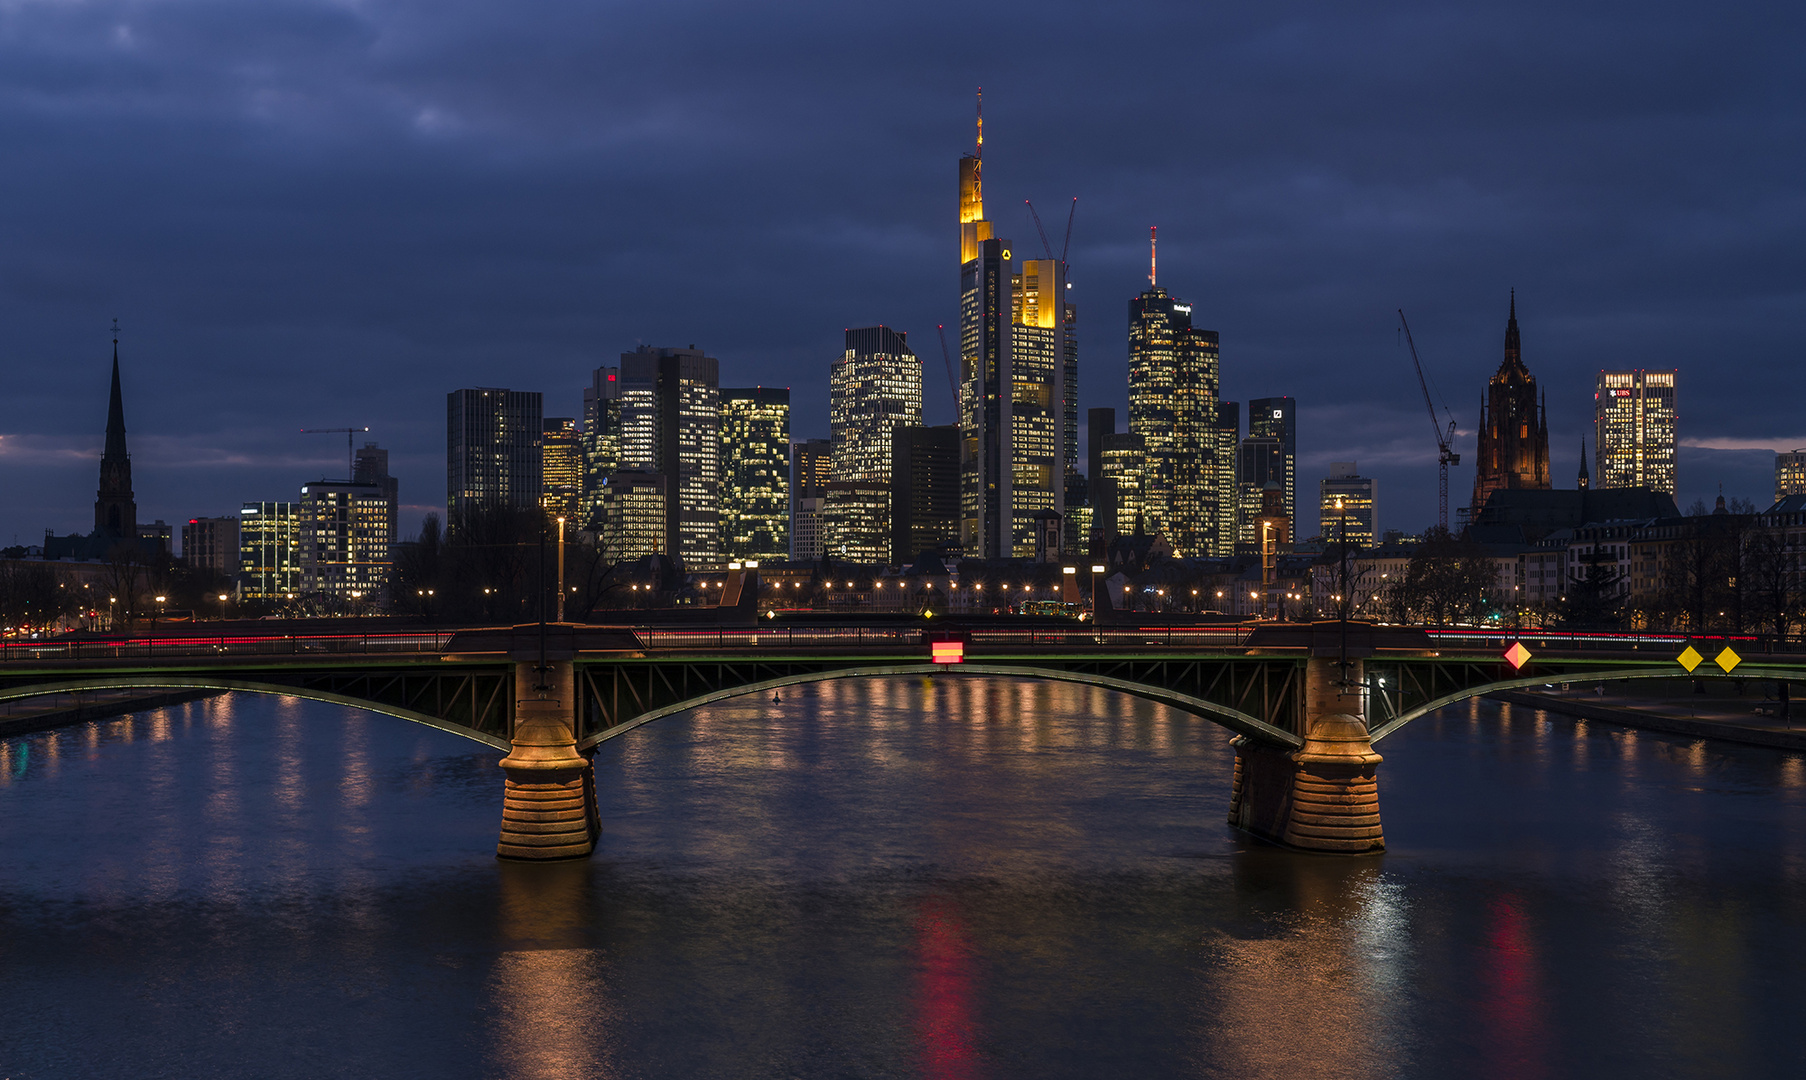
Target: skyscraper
(115,507)
(601,439)
(874,387)
(1633,429)
(1229,439)
(1261,467)
(371,466)
(632,520)
(1173,381)
(1358,497)
(1276,418)
(1124,465)
(1014,346)
(755,473)
(924,491)
(671,424)
(1514,428)
(1099,423)
(811,469)
(561,490)
(492,446)
(1790,474)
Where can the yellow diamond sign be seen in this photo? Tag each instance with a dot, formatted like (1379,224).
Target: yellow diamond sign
(1727,660)
(1516,655)
(1691,658)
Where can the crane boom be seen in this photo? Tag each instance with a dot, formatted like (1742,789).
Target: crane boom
(1444,440)
(952,383)
(1045,246)
(1067,246)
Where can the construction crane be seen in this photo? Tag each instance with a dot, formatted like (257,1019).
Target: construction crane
(1444,456)
(952,383)
(1047,247)
(348,432)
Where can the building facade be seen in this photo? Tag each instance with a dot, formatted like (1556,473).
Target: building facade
(1173,400)
(811,469)
(211,544)
(1790,474)
(1349,506)
(1123,464)
(371,466)
(561,474)
(856,521)
(1261,465)
(269,551)
(924,487)
(344,539)
(671,424)
(874,387)
(633,516)
(1276,418)
(755,473)
(1514,427)
(1634,429)
(492,444)
(601,440)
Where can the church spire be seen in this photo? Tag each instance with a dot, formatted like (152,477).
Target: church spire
(115,408)
(1514,353)
(1585,480)
(115,508)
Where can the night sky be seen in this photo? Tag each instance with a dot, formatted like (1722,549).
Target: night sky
(318,214)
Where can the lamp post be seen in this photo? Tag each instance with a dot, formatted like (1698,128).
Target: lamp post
(222,607)
(561,568)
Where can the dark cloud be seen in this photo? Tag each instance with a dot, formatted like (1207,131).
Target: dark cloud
(318,214)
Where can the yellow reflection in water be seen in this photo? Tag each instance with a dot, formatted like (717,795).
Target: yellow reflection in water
(549,1004)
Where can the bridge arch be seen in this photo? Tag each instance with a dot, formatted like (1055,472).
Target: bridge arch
(1747,672)
(1233,719)
(193,682)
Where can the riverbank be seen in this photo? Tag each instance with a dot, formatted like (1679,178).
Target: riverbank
(1728,718)
(74,707)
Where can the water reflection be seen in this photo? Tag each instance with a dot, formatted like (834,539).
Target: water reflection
(946,1006)
(551,1015)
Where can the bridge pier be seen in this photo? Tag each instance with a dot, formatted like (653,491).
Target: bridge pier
(1323,796)
(549,802)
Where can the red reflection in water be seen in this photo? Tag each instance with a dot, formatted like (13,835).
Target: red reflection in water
(1512,1002)
(944,977)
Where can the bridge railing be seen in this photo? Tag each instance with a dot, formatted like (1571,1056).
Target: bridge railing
(152,648)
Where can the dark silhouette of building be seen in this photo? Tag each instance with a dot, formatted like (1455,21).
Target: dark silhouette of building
(115,507)
(372,467)
(1514,426)
(924,499)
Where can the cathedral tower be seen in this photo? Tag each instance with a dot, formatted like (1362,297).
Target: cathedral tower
(1514,427)
(115,509)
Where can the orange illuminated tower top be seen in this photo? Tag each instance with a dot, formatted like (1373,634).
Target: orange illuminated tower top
(973,228)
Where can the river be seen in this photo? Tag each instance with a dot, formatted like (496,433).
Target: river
(949,878)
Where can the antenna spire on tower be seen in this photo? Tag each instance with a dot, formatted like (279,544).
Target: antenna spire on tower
(1153,256)
(981,124)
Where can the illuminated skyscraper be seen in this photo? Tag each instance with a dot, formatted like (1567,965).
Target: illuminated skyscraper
(492,444)
(1633,426)
(874,387)
(811,469)
(1514,428)
(372,467)
(601,439)
(1276,418)
(671,424)
(1261,467)
(561,474)
(755,473)
(1124,466)
(343,530)
(1359,500)
(1790,474)
(1014,358)
(1173,381)
(633,519)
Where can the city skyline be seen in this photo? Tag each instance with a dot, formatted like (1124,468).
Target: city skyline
(1302,299)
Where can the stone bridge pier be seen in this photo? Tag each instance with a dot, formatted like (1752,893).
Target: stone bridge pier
(549,801)
(1323,796)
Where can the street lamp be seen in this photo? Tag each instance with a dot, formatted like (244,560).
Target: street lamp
(560,568)
(222,607)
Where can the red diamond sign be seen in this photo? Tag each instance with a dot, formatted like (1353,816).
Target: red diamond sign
(1517,655)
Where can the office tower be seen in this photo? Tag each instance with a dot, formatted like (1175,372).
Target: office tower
(1099,423)
(343,530)
(1633,429)
(371,466)
(492,445)
(755,473)
(211,545)
(1277,418)
(1229,440)
(924,491)
(561,469)
(671,424)
(811,467)
(1359,500)
(1261,466)
(1790,474)
(874,386)
(633,518)
(1069,388)
(856,521)
(115,506)
(269,550)
(1173,379)
(1514,427)
(601,439)
(1013,355)
(1124,466)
